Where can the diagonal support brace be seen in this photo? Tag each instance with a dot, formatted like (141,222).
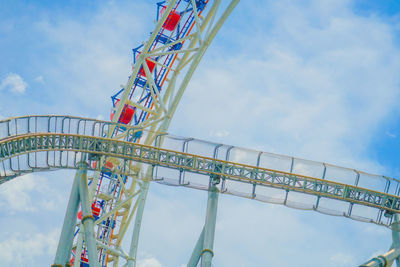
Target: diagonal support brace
(194,259)
(204,247)
(79,194)
(209,227)
(393,255)
(67,233)
(88,220)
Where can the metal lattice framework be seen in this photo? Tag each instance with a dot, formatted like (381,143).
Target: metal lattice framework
(132,153)
(117,160)
(43,143)
(183,32)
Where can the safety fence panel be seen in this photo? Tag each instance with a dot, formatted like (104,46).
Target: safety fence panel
(189,162)
(289,165)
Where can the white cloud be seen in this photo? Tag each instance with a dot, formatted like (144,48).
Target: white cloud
(19,250)
(151,262)
(15,194)
(315,81)
(14,83)
(29,193)
(98,63)
(343,259)
(392,135)
(39,79)
(220,133)
(100,117)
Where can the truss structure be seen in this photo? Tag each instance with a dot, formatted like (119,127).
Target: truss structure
(117,160)
(43,143)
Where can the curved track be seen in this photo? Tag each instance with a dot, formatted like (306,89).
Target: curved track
(131,153)
(124,155)
(44,143)
(162,69)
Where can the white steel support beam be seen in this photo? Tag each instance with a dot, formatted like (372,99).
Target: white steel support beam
(120,253)
(141,60)
(116,208)
(165,105)
(168,45)
(207,252)
(128,221)
(79,194)
(138,221)
(203,249)
(194,259)
(78,252)
(67,233)
(23,143)
(197,22)
(163,126)
(393,254)
(196,60)
(88,219)
(173,99)
(182,51)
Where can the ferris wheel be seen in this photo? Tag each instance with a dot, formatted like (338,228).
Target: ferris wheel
(117,160)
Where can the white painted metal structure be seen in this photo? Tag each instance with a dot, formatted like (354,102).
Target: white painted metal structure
(206,25)
(43,143)
(127,207)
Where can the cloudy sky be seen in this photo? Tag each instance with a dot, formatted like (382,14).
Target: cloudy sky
(313,79)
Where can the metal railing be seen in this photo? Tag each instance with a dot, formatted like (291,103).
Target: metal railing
(42,143)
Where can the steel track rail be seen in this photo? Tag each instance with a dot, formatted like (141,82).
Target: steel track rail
(16,147)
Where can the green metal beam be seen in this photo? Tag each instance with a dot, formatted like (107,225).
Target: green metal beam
(87,218)
(19,145)
(393,254)
(195,257)
(207,252)
(67,233)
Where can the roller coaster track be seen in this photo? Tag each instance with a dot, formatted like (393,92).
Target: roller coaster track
(183,32)
(116,161)
(131,153)
(44,143)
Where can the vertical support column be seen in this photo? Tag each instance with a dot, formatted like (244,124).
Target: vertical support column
(396,236)
(194,259)
(138,221)
(78,251)
(67,233)
(393,254)
(205,243)
(87,218)
(209,227)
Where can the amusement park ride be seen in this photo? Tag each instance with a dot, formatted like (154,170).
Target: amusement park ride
(116,161)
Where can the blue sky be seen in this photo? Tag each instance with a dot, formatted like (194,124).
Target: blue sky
(312,79)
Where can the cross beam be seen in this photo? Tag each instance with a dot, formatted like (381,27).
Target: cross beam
(132,152)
